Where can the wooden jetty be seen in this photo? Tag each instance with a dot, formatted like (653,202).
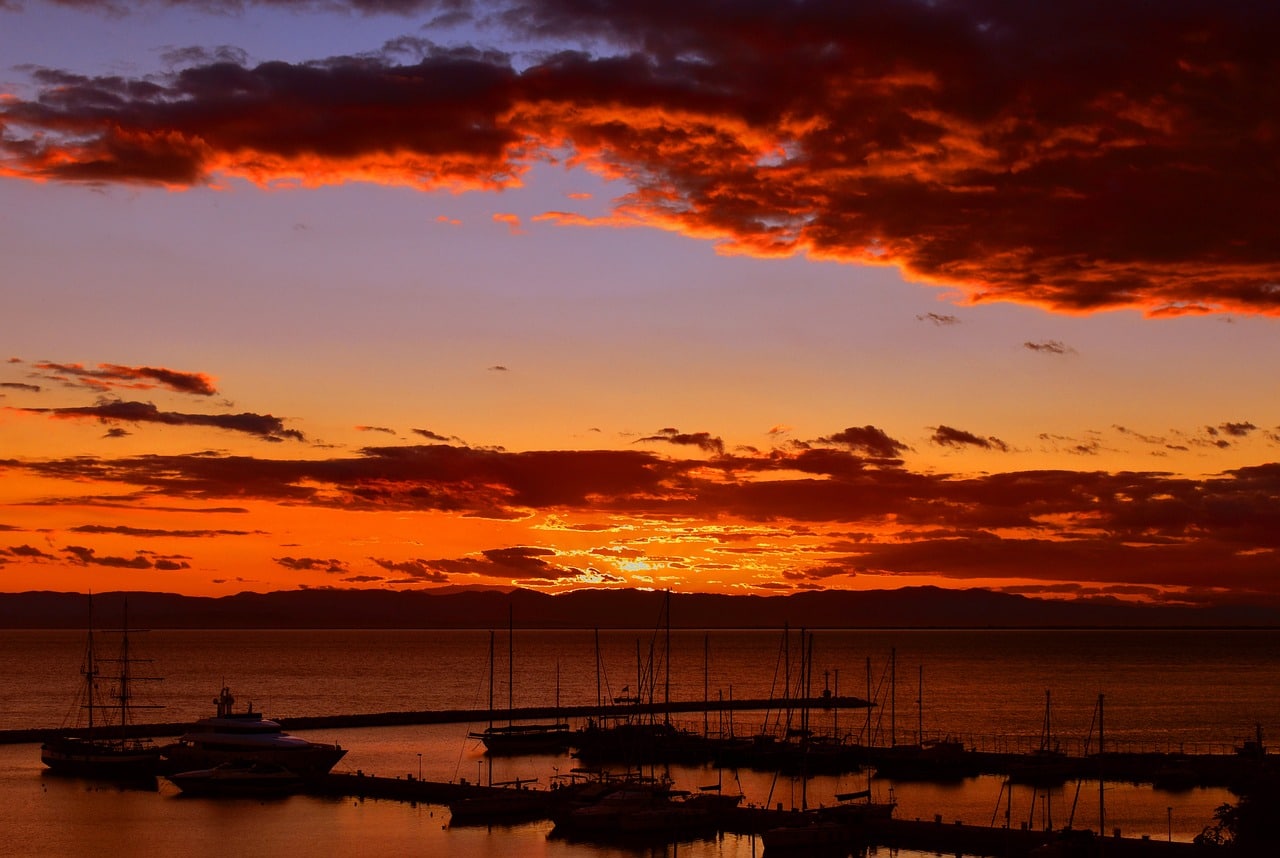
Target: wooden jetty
(409,788)
(937,836)
(956,838)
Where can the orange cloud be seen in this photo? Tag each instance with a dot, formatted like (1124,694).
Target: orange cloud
(264,426)
(1021,153)
(511,220)
(108,376)
(819,510)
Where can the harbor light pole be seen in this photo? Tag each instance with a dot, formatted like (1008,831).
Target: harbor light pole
(419,766)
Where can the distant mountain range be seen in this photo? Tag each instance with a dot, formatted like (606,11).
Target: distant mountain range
(911,607)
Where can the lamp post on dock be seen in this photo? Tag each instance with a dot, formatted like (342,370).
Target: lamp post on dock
(419,766)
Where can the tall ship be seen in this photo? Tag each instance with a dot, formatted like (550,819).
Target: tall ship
(103,745)
(231,736)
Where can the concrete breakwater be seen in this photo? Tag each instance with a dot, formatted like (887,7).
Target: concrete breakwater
(469,716)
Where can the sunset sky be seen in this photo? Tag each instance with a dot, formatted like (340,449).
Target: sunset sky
(722,296)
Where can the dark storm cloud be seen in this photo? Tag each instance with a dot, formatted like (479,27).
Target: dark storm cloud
(262,425)
(343,113)
(1057,154)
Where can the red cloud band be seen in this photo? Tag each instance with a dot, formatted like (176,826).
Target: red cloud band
(1039,153)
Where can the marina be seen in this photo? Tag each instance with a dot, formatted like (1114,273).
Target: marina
(422,758)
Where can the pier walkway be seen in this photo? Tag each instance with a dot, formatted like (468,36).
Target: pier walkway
(951,838)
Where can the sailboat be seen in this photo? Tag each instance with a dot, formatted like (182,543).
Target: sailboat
(820,830)
(928,759)
(637,735)
(103,748)
(1047,765)
(514,738)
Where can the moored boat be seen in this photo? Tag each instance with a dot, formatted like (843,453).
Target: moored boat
(247,736)
(552,738)
(238,778)
(858,807)
(103,746)
(505,802)
(808,837)
(94,757)
(524,738)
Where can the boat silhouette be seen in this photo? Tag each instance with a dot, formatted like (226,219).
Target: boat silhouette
(103,746)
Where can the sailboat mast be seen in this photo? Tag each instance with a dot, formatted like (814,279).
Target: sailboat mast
(90,667)
(1102,808)
(870,743)
(835,708)
(1047,729)
(706,685)
(920,708)
(666,694)
(893,697)
(490,679)
(784,715)
(806,680)
(123,680)
(808,685)
(511,670)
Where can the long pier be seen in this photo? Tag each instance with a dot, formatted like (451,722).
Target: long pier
(936,836)
(475,716)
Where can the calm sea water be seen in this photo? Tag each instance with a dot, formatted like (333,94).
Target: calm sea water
(1196,690)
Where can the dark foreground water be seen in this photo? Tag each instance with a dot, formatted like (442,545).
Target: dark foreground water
(1200,691)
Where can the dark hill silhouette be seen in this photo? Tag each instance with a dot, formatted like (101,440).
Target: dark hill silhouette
(911,607)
